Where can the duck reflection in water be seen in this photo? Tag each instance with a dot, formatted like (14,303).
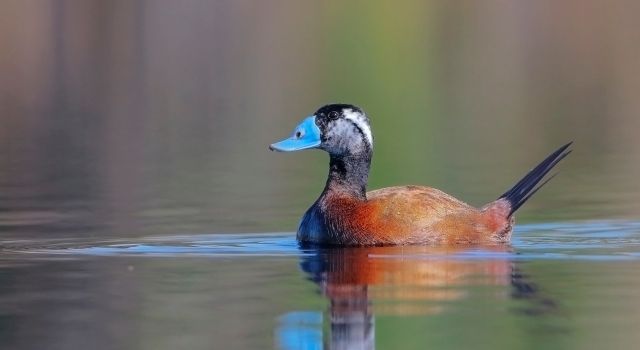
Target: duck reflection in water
(395,281)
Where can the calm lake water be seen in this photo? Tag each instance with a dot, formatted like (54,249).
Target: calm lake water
(141,209)
(558,286)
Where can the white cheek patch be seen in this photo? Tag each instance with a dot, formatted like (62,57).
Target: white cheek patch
(361,121)
(340,129)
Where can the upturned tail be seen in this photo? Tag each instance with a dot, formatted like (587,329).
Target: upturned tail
(528,186)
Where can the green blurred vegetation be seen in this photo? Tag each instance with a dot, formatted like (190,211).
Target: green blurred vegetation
(155,126)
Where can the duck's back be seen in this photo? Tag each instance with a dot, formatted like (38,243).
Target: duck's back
(417,214)
(418,200)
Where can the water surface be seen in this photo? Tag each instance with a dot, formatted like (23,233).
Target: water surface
(559,285)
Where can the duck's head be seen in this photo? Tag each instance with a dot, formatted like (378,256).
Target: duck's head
(339,129)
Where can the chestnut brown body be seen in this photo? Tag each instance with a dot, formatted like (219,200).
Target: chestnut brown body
(406,215)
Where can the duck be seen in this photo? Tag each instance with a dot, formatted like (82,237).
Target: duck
(345,214)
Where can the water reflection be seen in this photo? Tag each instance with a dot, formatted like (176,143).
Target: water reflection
(361,283)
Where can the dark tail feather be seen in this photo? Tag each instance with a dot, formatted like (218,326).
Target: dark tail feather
(526,187)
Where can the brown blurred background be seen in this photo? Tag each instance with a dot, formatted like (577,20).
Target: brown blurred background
(125,118)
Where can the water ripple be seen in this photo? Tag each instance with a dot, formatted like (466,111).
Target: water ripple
(592,240)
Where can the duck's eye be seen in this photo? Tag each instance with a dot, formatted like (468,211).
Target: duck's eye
(333,115)
(298,134)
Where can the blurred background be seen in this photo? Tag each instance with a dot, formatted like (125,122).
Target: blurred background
(131,118)
(123,119)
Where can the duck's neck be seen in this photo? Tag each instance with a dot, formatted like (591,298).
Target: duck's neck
(348,174)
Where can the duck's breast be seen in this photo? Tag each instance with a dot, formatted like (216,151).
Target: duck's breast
(312,228)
